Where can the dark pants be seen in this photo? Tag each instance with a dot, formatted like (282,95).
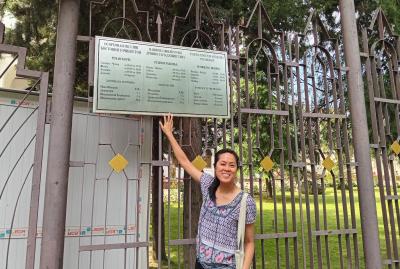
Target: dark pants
(198,265)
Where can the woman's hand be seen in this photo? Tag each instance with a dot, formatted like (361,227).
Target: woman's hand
(168,125)
(167,128)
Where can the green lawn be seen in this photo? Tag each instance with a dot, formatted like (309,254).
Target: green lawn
(281,250)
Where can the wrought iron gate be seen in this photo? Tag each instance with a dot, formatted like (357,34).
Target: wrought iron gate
(21,164)
(381,63)
(289,124)
(288,115)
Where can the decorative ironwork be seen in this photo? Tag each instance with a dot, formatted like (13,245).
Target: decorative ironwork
(32,151)
(289,122)
(380,54)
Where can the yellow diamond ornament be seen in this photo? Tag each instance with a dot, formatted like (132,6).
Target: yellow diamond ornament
(267,164)
(395,147)
(118,163)
(328,164)
(199,163)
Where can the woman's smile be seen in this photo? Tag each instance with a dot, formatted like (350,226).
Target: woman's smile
(226,168)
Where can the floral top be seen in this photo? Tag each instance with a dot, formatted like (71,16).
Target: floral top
(217,234)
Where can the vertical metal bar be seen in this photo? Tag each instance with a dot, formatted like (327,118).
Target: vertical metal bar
(340,164)
(388,162)
(37,173)
(375,107)
(93,196)
(238,101)
(383,132)
(231,93)
(190,211)
(248,127)
(330,146)
(261,221)
(2,29)
(169,204)
(300,172)
(308,133)
(160,196)
(281,144)
(347,155)
(138,206)
(292,156)
(275,223)
(339,152)
(215,142)
(160,170)
(312,146)
(369,221)
(126,212)
(105,218)
(60,137)
(397,115)
(197,2)
(279,125)
(82,191)
(179,195)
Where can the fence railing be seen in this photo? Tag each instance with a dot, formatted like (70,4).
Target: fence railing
(289,109)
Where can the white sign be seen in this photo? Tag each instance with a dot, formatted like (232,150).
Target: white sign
(133,77)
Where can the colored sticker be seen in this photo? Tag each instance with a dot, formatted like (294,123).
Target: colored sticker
(267,164)
(199,163)
(328,164)
(118,163)
(395,147)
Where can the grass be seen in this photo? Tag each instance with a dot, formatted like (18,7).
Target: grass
(336,251)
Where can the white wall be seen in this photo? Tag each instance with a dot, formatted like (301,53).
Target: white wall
(103,207)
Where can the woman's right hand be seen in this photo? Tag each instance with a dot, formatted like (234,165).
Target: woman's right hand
(168,125)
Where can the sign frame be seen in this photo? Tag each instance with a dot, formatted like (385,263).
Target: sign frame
(227,91)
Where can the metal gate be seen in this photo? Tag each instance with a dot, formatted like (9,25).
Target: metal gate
(21,163)
(107,211)
(380,53)
(290,126)
(289,123)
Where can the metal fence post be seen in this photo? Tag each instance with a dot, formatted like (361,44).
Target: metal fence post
(369,221)
(60,137)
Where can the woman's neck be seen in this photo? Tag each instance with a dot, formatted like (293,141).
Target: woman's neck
(227,187)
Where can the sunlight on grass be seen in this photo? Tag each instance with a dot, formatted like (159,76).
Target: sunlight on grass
(333,249)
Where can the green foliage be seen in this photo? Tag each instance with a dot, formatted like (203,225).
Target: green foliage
(37,21)
(390,7)
(35,29)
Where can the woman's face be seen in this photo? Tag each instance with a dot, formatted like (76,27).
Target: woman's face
(225,168)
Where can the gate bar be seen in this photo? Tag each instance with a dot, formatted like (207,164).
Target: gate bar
(369,221)
(37,173)
(52,250)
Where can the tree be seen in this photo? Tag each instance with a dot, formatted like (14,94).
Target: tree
(35,29)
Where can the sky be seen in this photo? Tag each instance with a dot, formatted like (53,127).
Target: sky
(8,20)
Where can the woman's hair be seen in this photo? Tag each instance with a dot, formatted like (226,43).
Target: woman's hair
(214,185)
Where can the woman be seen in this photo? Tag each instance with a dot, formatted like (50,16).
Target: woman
(217,232)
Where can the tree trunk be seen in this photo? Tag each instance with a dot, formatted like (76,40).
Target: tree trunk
(155,199)
(192,194)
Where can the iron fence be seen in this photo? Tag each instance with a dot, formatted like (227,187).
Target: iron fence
(289,123)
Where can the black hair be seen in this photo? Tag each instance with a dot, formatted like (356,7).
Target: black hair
(214,185)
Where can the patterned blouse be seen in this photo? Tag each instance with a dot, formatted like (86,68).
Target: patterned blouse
(217,234)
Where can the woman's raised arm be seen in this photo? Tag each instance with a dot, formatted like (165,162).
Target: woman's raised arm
(183,160)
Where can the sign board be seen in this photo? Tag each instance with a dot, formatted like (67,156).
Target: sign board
(133,77)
